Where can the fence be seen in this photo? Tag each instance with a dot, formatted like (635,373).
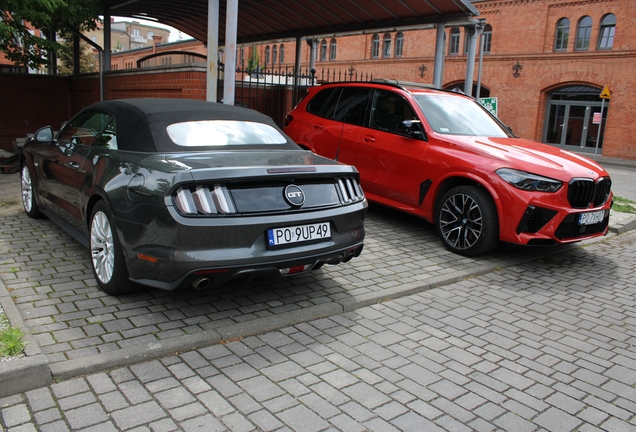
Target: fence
(275,92)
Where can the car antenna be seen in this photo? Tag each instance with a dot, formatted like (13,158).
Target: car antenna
(341,132)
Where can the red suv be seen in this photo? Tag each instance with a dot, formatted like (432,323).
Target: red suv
(441,156)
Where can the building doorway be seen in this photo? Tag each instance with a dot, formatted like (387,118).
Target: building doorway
(570,120)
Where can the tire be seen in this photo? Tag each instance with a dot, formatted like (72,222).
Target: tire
(107,258)
(467,221)
(29,201)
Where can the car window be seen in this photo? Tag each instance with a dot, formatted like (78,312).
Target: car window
(222,133)
(388,112)
(90,128)
(352,105)
(319,104)
(454,115)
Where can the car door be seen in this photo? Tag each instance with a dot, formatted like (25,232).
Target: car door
(389,157)
(65,166)
(337,127)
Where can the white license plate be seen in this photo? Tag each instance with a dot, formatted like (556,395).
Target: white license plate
(298,234)
(591,218)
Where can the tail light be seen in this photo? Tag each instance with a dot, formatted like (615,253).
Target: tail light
(204,200)
(288,120)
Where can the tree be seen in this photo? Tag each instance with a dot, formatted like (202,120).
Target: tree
(88,62)
(52,16)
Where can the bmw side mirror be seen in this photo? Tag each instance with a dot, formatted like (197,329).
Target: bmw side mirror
(414,129)
(45,134)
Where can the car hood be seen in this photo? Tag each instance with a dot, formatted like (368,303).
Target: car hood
(533,157)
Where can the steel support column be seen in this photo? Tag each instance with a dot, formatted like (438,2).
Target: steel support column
(107,44)
(438,72)
(471,31)
(213,51)
(229,74)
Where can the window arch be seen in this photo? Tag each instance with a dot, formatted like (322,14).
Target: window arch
(487,38)
(274,54)
(453,41)
(323,50)
(266,55)
(606,33)
(583,33)
(399,44)
(282,53)
(562,35)
(332,49)
(375,46)
(386,45)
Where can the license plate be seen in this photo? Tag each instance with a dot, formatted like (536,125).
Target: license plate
(298,234)
(591,218)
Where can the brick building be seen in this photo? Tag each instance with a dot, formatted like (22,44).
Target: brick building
(546,62)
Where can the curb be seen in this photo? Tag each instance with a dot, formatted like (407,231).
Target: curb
(35,371)
(18,376)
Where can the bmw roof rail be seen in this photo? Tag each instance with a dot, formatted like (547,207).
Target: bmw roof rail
(402,84)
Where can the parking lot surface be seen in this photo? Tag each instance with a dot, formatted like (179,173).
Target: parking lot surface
(523,339)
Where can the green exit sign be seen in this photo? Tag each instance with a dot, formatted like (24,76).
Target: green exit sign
(490,104)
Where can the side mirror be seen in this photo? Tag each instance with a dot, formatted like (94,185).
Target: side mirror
(45,134)
(414,129)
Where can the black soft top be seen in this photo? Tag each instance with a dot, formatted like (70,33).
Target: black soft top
(141,123)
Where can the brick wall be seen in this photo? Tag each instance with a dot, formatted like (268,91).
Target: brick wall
(28,102)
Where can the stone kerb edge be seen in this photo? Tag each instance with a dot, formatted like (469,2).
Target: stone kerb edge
(24,374)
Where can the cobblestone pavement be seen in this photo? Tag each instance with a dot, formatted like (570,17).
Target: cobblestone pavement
(545,345)
(548,345)
(79,328)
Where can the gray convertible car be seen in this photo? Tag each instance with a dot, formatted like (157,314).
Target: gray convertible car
(172,192)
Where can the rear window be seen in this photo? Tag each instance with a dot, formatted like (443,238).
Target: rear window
(223,133)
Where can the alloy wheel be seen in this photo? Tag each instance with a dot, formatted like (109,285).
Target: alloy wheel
(102,247)
(27,189)
(461,221)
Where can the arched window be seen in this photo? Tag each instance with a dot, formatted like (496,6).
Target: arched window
(453,41)
(386,45)
(606,33)
(323,50)
(266,55)
(562,34)
(399,44)
(487,38)
(583,32)
(375,46)
(274,54)
(282,53)
(332,49)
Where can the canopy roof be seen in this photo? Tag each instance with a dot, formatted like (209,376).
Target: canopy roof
(260,20)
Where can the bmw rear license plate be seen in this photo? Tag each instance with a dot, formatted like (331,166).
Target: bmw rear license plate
(591,218)
(298,234)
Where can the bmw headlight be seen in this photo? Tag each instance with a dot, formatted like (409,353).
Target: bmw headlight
(529,182)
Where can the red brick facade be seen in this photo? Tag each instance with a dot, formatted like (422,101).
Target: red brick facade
(523,32)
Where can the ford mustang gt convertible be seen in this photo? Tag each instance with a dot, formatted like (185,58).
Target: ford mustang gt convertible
(173,192)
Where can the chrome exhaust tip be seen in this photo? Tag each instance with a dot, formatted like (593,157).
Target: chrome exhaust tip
(201,283)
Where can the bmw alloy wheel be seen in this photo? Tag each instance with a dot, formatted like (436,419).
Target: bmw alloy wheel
(467,221)
(461,221)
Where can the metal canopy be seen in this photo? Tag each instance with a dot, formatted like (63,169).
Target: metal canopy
(260,20)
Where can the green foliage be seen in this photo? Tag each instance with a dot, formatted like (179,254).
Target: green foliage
(88,62)
(11,342)
(50,16)
(623,205)
(253,65)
